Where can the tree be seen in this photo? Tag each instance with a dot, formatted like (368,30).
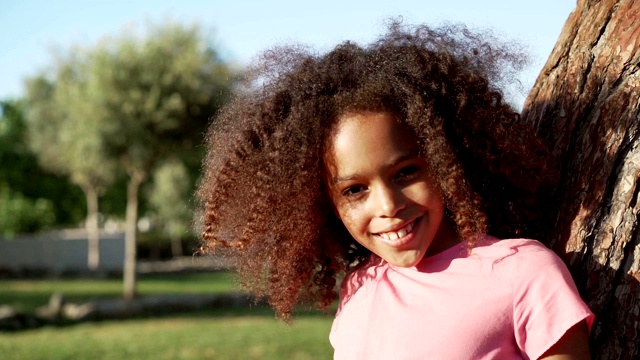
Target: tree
(585,103)
(19,214)
(30,198)
(170,196)
(66,136)
(153,96)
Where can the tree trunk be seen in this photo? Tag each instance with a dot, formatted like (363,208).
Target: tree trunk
(93,231)
(176,246)
(129,271)
(154,251)
(586,104)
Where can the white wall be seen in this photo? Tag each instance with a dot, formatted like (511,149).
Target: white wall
(59,251)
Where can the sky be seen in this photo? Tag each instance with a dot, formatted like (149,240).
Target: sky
(241,29)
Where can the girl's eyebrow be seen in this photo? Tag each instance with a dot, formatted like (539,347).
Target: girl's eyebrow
(392,163)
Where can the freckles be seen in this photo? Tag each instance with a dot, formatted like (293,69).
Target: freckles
(349,212)
(345,216)
(348,218)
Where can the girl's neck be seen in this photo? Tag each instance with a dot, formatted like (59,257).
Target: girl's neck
(445,238)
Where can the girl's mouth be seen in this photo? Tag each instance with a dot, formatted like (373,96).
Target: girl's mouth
(401,236)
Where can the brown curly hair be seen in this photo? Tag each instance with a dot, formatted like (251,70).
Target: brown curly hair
(263,199)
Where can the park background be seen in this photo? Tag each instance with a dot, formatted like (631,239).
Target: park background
(240,30)
(35,32)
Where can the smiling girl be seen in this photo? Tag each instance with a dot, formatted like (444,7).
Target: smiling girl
(388,166)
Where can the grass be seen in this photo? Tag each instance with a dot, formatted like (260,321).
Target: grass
(27,295)
(181,337)
(252,333)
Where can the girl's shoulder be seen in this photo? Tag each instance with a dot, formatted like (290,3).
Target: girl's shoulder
(513,250)
(522,262)
(546,301)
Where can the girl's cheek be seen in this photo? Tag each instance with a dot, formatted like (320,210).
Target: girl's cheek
(347,212)
(351,221)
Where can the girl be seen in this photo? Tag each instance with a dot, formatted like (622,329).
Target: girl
(391,163)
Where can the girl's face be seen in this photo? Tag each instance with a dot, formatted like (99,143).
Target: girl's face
(382,191)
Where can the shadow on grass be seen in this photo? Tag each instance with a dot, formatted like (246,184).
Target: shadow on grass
(253,311)
(27,295)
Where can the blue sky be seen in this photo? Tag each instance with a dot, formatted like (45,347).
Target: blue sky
(30,29)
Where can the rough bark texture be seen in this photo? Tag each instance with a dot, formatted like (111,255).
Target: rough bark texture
(586,104)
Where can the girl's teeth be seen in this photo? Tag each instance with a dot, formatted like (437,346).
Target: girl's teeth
(392,235)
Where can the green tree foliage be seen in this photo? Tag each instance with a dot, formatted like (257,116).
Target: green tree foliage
(130,103)
(162,89)
(30,198)
(19,214)
(63,130)
(169,197)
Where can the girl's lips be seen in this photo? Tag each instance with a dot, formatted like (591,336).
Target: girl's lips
(400,237)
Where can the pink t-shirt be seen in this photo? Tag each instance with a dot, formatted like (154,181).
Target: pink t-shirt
(509,299)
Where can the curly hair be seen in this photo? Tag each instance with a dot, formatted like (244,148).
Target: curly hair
(263,198)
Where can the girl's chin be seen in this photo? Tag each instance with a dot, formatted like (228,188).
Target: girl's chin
(408,259)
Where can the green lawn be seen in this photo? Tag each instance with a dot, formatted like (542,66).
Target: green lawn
(26,295)
(181,337)
(252,333)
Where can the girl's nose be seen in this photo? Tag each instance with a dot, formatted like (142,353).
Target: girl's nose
(387,201)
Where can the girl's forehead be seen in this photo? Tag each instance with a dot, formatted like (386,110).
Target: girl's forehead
(364,134)
(378,122)
(362,118)
(358,134)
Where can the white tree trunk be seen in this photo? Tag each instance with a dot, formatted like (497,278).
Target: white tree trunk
(93,231)
(129,271)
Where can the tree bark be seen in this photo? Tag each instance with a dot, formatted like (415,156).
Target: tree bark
(93,231)
(129,271)
(176,246)
(585,103)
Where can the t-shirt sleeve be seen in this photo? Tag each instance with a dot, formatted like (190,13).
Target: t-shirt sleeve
(546,300)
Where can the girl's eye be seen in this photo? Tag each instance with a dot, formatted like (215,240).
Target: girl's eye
(353,190)
(407,173)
